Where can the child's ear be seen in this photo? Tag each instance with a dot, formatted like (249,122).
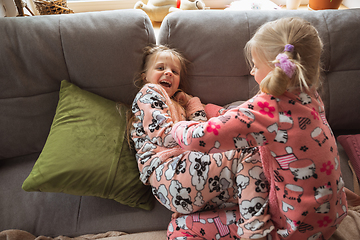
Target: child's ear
(143,76)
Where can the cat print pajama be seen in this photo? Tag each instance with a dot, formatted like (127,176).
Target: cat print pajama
(299,157)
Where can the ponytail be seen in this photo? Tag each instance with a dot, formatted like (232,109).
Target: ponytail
(275,83)
(292,48)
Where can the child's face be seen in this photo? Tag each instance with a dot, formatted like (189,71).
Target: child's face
(164,69)
(260,69)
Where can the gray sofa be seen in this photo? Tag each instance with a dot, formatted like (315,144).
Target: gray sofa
(101,52)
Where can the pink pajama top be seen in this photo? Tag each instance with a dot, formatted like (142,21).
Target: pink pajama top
(299,157)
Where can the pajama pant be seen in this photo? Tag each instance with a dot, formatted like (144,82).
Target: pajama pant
(196,181)
(220,224)
(226,222)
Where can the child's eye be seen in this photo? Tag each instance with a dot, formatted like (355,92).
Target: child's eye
(175,72)
(160,68)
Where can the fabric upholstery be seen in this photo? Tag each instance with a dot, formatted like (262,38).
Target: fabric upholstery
(100,52)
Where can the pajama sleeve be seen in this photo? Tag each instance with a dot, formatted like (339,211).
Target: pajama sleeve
(195,110)
(154,112)
(155,115)
(213,110)
(238,128)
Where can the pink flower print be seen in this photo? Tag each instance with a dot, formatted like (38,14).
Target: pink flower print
(315,114)
(266,109)
(213,127)
(326,221)
(327,167)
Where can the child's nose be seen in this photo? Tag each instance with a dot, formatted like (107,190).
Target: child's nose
(168,72)
(252,72)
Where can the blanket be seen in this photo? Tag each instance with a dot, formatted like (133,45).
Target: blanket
(350,226)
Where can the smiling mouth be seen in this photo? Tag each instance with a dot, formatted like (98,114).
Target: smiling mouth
(165,83)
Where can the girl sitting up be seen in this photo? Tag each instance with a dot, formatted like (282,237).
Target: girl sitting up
(287,121)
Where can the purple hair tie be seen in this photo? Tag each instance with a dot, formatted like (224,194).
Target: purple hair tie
(289,48)
(285,64)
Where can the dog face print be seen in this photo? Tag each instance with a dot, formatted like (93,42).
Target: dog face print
(154,99)
(139,129)
(198,116)
(262,185)
(221,184)
(199,169)
(180,197)
(249,208)
(158,121)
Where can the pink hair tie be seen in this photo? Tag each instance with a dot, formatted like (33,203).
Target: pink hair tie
(284,63)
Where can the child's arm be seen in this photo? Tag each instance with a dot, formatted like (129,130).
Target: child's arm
(213,110)
(155,114)
(193,107)
(242,127)
(195,110)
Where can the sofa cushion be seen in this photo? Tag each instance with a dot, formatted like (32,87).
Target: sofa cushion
(86,152)
(351,144)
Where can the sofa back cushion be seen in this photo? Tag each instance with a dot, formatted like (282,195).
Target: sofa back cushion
(214,41)
(100,52)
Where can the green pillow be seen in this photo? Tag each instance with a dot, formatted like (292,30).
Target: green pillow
(86,152)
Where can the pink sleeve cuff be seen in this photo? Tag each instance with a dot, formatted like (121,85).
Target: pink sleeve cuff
(193,105)
(212,110)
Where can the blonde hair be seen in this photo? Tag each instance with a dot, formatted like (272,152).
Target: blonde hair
(270,40)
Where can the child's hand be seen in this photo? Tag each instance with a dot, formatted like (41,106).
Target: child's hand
(182,98)
(175,215)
